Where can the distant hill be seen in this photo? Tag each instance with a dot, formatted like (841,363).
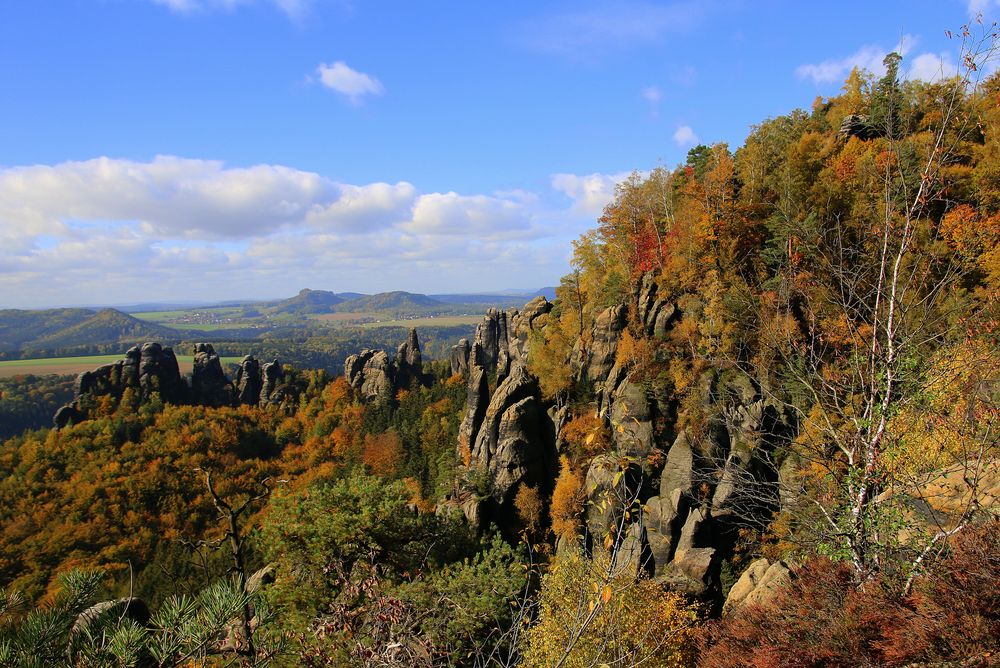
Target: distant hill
(389,301)
(19,327)
(105,326)
(547,292)
(306,302)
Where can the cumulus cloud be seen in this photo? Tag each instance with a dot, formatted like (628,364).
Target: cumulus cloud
(868,57)
(483,216)
(365,208)
(931,67)
(109,230)
(590,193)
(685,136)
(170,195)
(354,85)
(652,94)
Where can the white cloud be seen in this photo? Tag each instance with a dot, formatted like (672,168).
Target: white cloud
(652,94)
(346,81)
(931,67)
(868,57)
(923,67)
(590,193)
(171,196)
(836,70)
(478,215)
(365,208)
(113,231)
(977,7)
(685,136)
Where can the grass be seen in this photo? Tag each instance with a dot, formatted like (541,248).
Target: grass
(74,365)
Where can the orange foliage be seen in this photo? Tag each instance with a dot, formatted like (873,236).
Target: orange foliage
(383,453)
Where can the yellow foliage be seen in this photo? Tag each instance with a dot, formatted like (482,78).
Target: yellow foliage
(528,504)
(619,621)
(567,500)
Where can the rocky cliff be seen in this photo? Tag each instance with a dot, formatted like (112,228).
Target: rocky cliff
(667,500)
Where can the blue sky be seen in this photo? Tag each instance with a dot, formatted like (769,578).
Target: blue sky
(216,149)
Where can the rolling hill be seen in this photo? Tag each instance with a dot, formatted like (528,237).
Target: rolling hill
(58,328)
(389,301)
(306,302)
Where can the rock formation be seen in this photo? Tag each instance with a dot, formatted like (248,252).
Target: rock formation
(694,489)
(758,584)
(378,378)
(151,370)
(459,357)
(209,385)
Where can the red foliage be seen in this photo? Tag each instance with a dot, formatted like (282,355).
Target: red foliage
(824,619)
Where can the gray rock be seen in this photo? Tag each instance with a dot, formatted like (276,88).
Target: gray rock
(459,357)
(409,363)
(476,402)
(271,377)
(248,381)
(632,420)
(209,385)
(371,374)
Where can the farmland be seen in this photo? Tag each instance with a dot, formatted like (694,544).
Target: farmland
(73,365)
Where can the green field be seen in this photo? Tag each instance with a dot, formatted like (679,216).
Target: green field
(74,365)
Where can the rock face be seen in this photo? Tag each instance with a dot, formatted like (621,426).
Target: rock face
(378,378)
(151,370)
(409,365)
(507,435)
(209,385)
(459,357)
(248,381)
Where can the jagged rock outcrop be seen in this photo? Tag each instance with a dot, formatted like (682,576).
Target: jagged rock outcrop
(152,370)
(512,443)
(476,402)
(856,125)
(508,435)
(378,378)
(459,357)
(502,336)
(409,364)
(248,381)
(759,583)
(372,374)
(209,385)
(271,377)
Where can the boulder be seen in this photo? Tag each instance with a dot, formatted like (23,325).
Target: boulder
(757,585)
